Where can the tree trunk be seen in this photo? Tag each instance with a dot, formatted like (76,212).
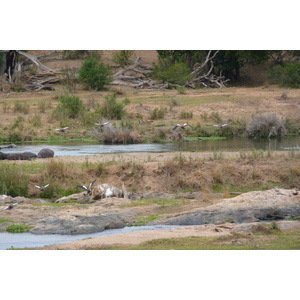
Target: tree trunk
(11,56)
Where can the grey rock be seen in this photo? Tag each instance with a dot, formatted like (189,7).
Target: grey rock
(82,224)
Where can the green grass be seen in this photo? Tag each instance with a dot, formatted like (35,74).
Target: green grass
(20,228)
(5,220)
(162,203)
(140,221)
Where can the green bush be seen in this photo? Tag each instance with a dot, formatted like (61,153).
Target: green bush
(112,109)
(178,73)
(69,106)
(286,76)
(94,74)
(13,180)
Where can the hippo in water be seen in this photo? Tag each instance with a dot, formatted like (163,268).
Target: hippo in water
(45,152)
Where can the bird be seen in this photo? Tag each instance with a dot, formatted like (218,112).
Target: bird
(182,126)
(89,191)
(220,126)
(62,129)
(41,188)
(11,206)
(102,124)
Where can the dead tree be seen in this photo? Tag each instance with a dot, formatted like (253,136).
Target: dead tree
(203,74)
(10,64)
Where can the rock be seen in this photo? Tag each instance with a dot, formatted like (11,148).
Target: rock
(248,207)
(66,199)
(4,225)
(82,224)
(151,195)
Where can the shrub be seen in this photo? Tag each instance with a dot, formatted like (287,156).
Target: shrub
(13,181)
(287,75)
(21,107)
(69,106)
(69,79)
(94,74)
(122,57)
(18,228)
(157,114)
(112,109)
(178,73)
(114,135)
(262,125)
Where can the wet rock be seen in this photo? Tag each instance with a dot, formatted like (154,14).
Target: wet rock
(81,224)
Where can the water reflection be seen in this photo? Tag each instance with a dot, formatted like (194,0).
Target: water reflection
(235,144)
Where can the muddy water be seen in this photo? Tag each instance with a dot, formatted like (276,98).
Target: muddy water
(22,240)
(235,144)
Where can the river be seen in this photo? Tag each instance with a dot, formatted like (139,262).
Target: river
(234,144)
(23,240)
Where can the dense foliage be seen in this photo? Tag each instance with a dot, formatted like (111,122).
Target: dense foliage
(69,106)
(94,74)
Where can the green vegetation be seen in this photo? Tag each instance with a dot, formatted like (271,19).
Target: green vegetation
(123,58)
(111,108)
(141,221)
(5,220)
(94,74)
(287,75)
(20,228)
(69,107)
(13,180)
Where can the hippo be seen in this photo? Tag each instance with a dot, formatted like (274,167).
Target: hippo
(13,156)
(27,155)
(45,152)
(2,155)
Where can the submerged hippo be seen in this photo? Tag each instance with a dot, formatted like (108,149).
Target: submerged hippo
(45,152)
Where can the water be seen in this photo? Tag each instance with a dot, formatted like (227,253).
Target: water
(22,240)
(235,144)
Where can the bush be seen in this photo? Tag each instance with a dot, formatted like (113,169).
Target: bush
(177,73)
(262,125)
(69,106)
(94,74)
(157,114)
(286,76)
(112,109)
(122,58)
(13,181)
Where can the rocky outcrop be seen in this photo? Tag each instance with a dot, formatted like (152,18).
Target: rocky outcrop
(249,207)
(81,224)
